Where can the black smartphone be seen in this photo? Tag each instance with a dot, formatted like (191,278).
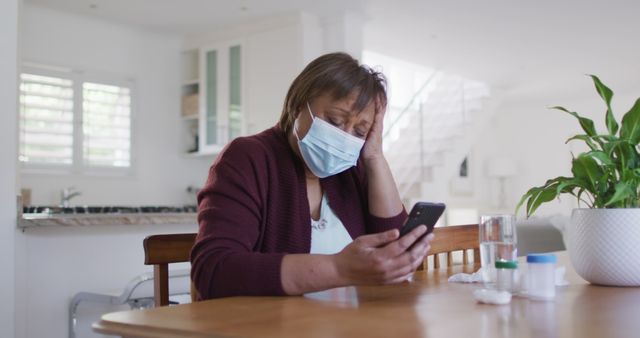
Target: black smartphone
(423,213)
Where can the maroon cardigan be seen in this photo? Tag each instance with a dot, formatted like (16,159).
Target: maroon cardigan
(254,209)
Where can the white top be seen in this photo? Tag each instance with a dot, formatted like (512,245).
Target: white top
(328,234)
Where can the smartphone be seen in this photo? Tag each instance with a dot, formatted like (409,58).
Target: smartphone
(423,213)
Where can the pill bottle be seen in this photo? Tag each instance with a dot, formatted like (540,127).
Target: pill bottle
(541,276)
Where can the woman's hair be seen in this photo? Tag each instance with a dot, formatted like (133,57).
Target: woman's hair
(336,74)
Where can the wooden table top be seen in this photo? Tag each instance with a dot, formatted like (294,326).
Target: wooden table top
(428,306)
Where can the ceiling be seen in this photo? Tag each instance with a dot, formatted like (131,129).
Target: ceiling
(530,48)
(527,48)
(194,16)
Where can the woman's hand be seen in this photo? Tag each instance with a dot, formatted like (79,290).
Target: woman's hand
(384,199)
(382,258)
(372,149)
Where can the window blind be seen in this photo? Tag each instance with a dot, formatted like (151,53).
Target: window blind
(106,125)
(66,122)
(46,120)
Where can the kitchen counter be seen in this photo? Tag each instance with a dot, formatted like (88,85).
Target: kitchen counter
(124,216)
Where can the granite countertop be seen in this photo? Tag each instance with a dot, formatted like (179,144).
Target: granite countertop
(53,216)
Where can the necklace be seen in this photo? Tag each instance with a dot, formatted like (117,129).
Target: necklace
(320,224)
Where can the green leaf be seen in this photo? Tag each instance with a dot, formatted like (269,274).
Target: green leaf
(608,138)
(532,194)
(579,195)
(630,129)
(587,169)
(627,175)
(623,154)
(584,138)
(600,156)
(623,191)
(586,124)
(541,196)
(606,94)
(524,198)
(568,185)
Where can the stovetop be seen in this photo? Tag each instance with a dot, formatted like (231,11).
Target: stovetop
(40,209)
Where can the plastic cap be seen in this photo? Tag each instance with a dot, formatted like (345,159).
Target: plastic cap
(506,264)
(541,258)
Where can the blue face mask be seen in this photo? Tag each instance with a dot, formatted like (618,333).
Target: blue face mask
(326,149)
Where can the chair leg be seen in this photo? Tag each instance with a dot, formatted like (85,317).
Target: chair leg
(465,257)
(73,308)
(436,261)
(161,284)
(194,293)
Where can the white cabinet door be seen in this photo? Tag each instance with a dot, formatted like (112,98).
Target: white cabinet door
(222,98)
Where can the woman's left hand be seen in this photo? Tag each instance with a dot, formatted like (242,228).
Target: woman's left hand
(372,149)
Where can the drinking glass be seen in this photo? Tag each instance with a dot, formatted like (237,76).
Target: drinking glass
(497,242)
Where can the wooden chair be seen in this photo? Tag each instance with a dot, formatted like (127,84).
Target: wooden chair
(160,251)
(454,238)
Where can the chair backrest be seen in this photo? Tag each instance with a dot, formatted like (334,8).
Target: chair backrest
(160,251)
(454,238)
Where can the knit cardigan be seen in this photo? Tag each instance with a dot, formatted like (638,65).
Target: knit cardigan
(253,210)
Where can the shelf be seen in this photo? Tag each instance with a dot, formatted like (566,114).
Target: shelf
(191,82)
(189,118)
(211,83)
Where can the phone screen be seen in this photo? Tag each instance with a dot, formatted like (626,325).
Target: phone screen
(423,213)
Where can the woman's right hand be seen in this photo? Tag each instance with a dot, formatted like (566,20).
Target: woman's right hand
(382,258)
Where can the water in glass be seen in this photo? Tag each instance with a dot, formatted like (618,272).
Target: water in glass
(497,241)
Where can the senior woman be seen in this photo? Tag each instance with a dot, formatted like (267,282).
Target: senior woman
(309,204)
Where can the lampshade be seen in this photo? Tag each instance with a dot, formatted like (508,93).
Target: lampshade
(502,167)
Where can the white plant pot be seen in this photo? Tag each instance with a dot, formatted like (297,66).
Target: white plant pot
(604,245)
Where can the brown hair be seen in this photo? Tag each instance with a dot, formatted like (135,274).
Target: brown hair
(339,75)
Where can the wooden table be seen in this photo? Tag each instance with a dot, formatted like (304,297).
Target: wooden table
(427,307)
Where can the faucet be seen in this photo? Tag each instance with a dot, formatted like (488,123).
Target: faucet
(67,194)
(193,190)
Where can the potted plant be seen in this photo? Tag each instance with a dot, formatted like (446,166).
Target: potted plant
(603,239)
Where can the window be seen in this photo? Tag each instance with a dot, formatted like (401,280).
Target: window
(71,123)
(106,125)
(46,119)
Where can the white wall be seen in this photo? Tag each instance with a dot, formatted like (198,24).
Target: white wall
(343,32)
(8,153)
(161,174)
(273,61)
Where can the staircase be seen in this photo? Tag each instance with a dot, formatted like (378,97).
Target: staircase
(426,141)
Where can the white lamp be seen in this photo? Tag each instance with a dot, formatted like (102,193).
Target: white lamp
(502,168)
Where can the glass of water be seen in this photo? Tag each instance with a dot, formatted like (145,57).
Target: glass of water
(497,242)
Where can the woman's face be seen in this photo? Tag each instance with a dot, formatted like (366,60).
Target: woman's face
(338,113)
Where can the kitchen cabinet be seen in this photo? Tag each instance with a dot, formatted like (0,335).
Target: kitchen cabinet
(213,97)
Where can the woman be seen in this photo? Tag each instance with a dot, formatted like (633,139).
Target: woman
(281,209)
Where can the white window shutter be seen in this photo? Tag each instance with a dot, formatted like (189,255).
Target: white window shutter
(106,125)
(46,120)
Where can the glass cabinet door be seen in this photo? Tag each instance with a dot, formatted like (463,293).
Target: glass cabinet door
(211,98)
(221,77)
(235,92)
